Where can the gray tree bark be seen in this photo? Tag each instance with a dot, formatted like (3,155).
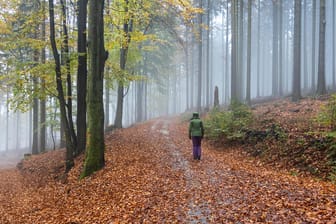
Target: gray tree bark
(296,91)
(321,82)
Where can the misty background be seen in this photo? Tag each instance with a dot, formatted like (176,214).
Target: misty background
(181,76)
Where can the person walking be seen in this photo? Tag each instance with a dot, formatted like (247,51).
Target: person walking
(196,133)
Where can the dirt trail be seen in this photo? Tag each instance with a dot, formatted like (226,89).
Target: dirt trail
(150,177)
(225,186)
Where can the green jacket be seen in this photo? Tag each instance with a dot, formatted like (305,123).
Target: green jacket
(196,126)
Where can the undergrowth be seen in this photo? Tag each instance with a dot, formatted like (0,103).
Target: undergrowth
(291,136)
(230,124)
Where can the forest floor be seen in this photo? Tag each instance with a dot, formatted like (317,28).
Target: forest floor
(150,177)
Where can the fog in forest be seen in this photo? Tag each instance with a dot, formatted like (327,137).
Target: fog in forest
(182,76)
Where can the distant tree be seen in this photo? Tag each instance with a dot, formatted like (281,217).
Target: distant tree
(249,40)
(216,97)
(227,71)
(275,51)
(94,155)
(200,56)
(296,91)
(334,43)
(305,46)
(258,50)
(208,66)
(281,89)
(234,49)
(240,63)
(321,82)
(313,56)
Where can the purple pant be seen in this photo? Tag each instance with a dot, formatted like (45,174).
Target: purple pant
(196,140)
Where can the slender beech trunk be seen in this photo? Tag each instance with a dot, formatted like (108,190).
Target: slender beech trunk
(81,76)
(69,162)
(43,98)
(127,28)
(35,146)
(66,56)
(7,119)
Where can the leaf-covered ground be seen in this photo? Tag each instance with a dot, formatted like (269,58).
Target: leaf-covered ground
(150,177)
(298,143)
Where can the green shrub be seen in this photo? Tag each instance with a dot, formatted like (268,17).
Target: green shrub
(327,116)
(229,124)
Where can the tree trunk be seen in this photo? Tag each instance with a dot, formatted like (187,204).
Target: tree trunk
(200,56)
(334,44)
(35,146)
(304,50)
(186,56)
(281,36)
(107,103)
(321,82)
(258,51)
(234,36)
(248,74)
(313,58)
(297,52)
(66,57)
(227,77)
(240,51)
(43,99)
(81,76)
(94,156)
(207,103)
(60,92)
(216,98)
(35,149)
(275,52)
(7,120)
(127,28)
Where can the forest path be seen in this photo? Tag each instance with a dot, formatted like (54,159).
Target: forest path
(151,177)
(228,186)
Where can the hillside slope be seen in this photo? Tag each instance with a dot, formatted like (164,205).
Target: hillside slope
(291,138)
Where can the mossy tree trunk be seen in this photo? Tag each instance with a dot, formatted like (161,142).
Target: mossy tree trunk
(94,157)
